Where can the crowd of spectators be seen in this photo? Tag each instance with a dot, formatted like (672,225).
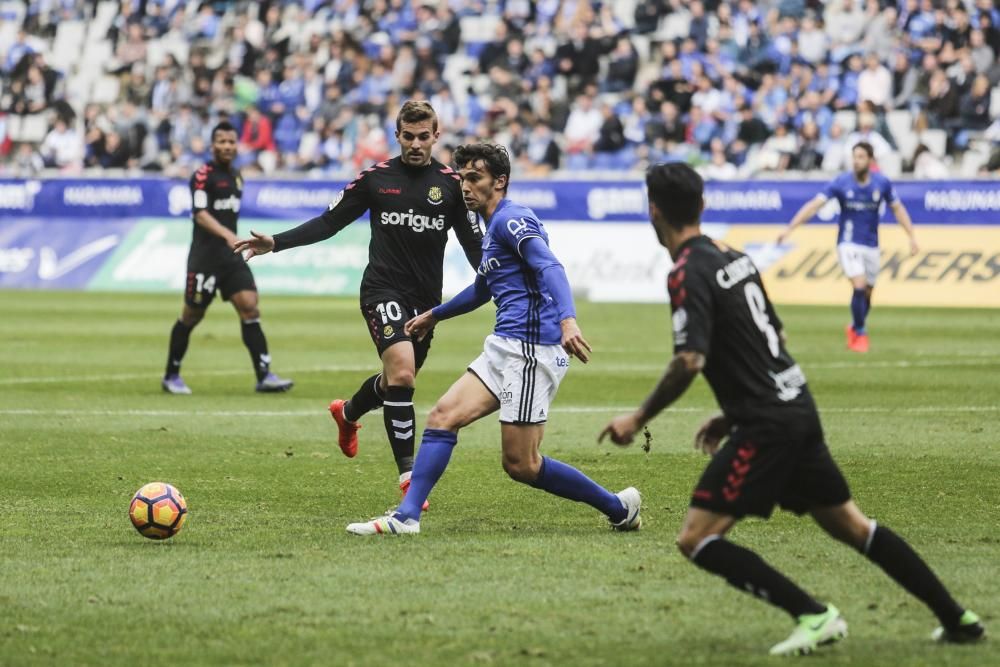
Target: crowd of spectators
(738,87)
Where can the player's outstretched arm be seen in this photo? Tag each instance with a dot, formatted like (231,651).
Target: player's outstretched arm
(465,301)
(906,222)
(681,371)
(804,214)
(257,244)
(349,205)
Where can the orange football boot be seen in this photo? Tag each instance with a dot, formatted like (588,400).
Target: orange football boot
(348,430)
(404,488)
(851,336)
(860,343)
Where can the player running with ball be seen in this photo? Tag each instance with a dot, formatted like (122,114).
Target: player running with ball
(522,363)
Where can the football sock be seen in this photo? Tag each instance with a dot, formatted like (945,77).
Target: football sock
(891,552)
(748,572)
(179,337)
(432,458)
(859,310)
(567,482)
(368,397)
(253,338)
(397,411)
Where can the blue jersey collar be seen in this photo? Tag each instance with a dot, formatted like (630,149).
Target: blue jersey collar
(871,180)
(503,204)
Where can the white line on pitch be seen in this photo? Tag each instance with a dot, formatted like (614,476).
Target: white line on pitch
(155,374)
(823,365)
(903,363)
(616,368)
(423,409)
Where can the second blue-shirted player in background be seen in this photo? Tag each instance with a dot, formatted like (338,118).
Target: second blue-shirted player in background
(523,360)
(861,195)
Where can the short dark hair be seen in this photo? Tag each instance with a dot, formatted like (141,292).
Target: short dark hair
(415,111)
(677,190)
(866,147)
(222,126)
(494,156)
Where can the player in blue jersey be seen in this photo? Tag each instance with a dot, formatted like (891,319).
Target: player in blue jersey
(523,360)
(861,195)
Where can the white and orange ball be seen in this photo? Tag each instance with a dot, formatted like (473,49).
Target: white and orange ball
(158,511)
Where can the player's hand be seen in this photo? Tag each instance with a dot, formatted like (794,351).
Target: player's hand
(621,429)
(782,237)
(914,248)
(573,341)
(260,244)
(711,433)
(421,325)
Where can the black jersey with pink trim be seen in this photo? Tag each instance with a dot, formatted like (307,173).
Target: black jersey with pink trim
(217,190)
(721,310)
(411,210)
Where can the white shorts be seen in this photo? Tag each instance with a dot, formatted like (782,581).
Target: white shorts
(859,260)
(523,377)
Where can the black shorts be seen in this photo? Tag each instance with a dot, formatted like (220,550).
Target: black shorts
(768,464)
(207,273)
(386,319)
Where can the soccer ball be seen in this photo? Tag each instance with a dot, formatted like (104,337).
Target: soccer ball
(158,511)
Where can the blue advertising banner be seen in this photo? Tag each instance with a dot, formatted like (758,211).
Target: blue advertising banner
(56,253)
(134,234)
(755,202)
(742,202)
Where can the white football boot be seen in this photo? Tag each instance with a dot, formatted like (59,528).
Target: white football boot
(632,501)
(390,524)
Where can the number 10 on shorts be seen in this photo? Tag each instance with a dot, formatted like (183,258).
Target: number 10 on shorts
(389,311)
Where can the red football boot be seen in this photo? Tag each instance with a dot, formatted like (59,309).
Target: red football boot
(851,336)
(860,343)
(348,436)
(404,487)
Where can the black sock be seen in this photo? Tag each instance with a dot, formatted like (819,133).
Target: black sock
(891,553)
(368,397)
(397,411)
(179,337)
(748,572)
(253,338)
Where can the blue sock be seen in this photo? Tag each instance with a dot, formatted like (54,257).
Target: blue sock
(432,458)
(859,309)
(566,481)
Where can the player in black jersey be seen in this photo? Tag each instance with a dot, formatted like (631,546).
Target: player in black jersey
(216,190)
(413,200)
(725,326)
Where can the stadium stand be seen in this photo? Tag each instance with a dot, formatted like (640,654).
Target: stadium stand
(741,88)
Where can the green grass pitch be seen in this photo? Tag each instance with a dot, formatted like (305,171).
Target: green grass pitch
(264,573)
